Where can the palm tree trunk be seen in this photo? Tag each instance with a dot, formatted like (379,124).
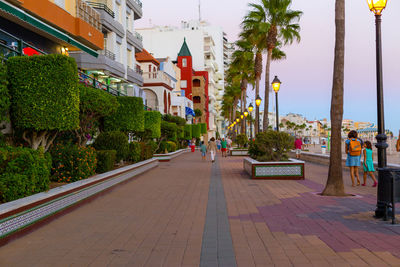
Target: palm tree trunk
(266,95)
(334,185)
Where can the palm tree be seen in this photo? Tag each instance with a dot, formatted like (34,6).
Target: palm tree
(334,185)
(279,24)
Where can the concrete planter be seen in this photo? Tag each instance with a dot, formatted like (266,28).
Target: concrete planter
(238,152)
(169,156)
(279,170)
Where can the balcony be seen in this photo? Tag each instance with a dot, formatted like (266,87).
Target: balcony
(90,81)
(135,39)
(157,78)
(137,7)
(107,17)
(101,5)
(134,76)
(209,50)
(85,12)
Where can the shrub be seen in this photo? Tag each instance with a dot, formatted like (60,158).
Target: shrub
(45,97)
(146,150)
(175,119)
(180,132)
(198,113)
(171,146)
(134,152)
(128,117)
(72,163)
(242,140)
(203,128)
(24,172)
(167,147)
(196,131)
(271,146)
(105,160)
(152,123)
(4,96)
(168,130)
(94,105)
(114,140)
(188,131)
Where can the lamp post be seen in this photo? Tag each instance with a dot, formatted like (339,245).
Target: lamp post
(245,113)
(237,128)
(250,108)
(276,84)
(258,103)
(377,6)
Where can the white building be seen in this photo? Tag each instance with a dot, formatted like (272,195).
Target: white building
(116,65)
(208,47)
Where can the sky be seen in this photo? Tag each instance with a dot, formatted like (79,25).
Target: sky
(306,74)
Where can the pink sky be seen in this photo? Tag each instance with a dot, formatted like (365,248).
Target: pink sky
(307,72)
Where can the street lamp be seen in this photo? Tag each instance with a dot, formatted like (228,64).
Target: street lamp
(376,6)
(251,128)
(245,113)
(276,84)
(258,103)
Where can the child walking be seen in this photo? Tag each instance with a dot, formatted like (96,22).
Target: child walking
(203,149)
(353,151)
(369,163)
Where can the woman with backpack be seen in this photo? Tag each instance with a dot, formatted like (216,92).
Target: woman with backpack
(353,151)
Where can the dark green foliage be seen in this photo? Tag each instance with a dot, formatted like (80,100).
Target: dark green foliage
(128,117)
(134,152)
(152,123)
(242,140)
(203,128)
(23,172)
(114,140)
(196,130)
(72,163)
(167,147)
(197,113)
(146,150)
(94,105)
(188,131)
(180,132)
(175,119)
(4,96)
(271,146)
(105,160)
(45,94)
(168,131)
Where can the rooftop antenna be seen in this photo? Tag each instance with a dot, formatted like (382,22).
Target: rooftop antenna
(199,10)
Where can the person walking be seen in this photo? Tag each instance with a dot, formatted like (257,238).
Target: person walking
(224,145)
(298,145)
(398,144)
(203,149)
(193,144)
(368,163)
(218,142)
(353,151)
(212,147)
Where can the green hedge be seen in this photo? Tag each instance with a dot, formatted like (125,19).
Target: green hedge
(45,94)
(24,172)
(72,163)
(152,123)
(128,117)
(196,130)
(4,96)
(146,150)
(105,160)
(181,132)
(134,152)
(203,128)
(188,131)
(169,131)
(114,140)
(175,119)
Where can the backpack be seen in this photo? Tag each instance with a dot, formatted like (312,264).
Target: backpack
(355,147)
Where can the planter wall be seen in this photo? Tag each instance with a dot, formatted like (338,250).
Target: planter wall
(281,170)
(169,156)
(238,152)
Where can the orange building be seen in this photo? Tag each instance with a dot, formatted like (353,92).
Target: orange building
(53,26)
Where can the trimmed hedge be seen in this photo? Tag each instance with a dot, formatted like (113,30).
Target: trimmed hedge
(180,132)
(128,117)
(45,94)
(146,151)
(196,130)
(114,140)
(169,130)
(72,163)
(134,152)
(24,172)
(4,96)
(188,132)
(152,123)
(203,128)
(105,160)
(175,119)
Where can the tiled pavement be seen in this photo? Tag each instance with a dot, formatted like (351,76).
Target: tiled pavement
(159,219)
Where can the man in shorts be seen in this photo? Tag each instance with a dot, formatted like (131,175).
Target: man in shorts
(224,145)
(298,145)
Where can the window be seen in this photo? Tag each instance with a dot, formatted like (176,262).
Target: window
(196,99)
(118,52)
(129,54)
(196,83)
(184,62)
(184,84)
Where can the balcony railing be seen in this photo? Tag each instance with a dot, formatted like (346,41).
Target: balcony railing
(103,6)
(90,81)
(157,77)
(108,54)
(85,12)
(138,2)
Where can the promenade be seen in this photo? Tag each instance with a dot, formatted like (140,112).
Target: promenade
(192,213)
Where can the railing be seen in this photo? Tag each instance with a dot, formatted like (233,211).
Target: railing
(139,36)
(158,76)
(138,2)
(85,12)
(108,54)
(90,81)
(103,6)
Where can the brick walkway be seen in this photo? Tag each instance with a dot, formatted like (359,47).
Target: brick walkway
(164,218)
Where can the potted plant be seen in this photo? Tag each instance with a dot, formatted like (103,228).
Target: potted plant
(269,157)
(241,150)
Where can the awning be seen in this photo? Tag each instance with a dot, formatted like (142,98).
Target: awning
(189,111)
(22,15)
